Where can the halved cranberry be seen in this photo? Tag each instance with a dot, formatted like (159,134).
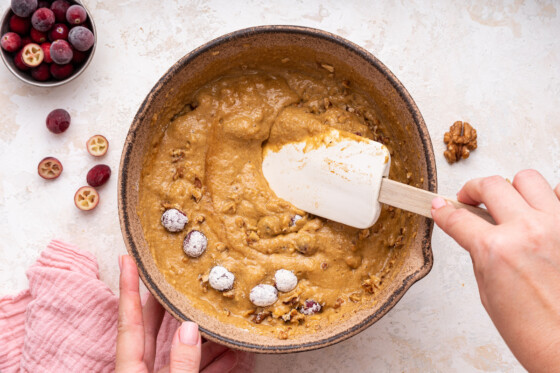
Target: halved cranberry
(97,145)
(32,55)
(20,25)
(86,198)
(49,168)
(98,175)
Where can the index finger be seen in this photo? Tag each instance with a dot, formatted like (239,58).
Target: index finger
(498,195)
(130,337)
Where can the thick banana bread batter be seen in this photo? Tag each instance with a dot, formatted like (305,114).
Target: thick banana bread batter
(207,164)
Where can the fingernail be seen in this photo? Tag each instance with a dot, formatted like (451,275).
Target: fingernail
(120,263)
(188,333)
(438,203)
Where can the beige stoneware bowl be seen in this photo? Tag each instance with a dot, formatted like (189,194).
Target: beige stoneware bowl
(249,48)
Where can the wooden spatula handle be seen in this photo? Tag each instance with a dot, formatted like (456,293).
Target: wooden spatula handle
(419,201)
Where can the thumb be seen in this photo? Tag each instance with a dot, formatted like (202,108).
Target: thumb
(185,349)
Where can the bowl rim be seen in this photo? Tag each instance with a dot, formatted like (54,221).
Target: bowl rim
(407,282)
(55,83)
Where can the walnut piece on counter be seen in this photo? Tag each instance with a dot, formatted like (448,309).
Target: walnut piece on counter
(460,140)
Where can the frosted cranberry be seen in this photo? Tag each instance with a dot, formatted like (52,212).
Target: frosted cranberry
(32,55)
(86,198)
(78,56)
(310,307)
(38,36)
(46,47)
(98,175)
(174,220)
(41,72)
(11,42)
(43,19)
(59,31)
(195,244)
(58,121)
(24,8)
(81,38)
(49,168)
(20,25)
(59,8)
(61,52)
(76,15)
(60,72)
(18,61)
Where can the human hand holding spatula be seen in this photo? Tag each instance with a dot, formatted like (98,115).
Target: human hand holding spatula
(344,177)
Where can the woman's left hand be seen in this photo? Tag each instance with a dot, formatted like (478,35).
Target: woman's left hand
(139,326)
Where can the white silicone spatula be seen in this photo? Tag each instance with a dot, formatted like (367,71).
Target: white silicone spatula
(343,177)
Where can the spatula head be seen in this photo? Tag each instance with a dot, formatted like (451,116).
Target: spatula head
(336,175)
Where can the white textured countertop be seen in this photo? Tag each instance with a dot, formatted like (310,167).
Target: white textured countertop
(497,67)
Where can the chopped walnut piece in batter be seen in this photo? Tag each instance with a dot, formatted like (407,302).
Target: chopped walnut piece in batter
(460,140)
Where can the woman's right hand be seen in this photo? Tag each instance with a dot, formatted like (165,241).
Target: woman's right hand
(516,262)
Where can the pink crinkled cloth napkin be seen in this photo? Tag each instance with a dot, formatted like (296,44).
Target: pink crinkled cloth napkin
(67,320)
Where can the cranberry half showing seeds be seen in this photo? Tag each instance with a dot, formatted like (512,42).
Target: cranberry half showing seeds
(32,55)
(49,168)
(86,198)
(97,145)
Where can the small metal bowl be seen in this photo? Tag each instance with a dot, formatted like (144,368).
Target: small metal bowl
(25,76)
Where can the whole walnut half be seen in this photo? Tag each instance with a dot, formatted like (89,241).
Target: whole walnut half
(460,140)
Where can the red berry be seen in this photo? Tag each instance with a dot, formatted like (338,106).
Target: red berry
(41,72)
(61,52)
(46,47)
(26,40)
(49,168)
(98,175)
(24,8)
(20,25)
(43,4)
(81,38)
(59,31)
(38,36)
(43,19)
(76,15)
(78,56)
(61,72)
(97,145)
(18,61)
(32,55)
(59,8)
(58,120)
(86,198)
(11,42)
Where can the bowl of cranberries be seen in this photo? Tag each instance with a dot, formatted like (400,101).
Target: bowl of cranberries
(47,43)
